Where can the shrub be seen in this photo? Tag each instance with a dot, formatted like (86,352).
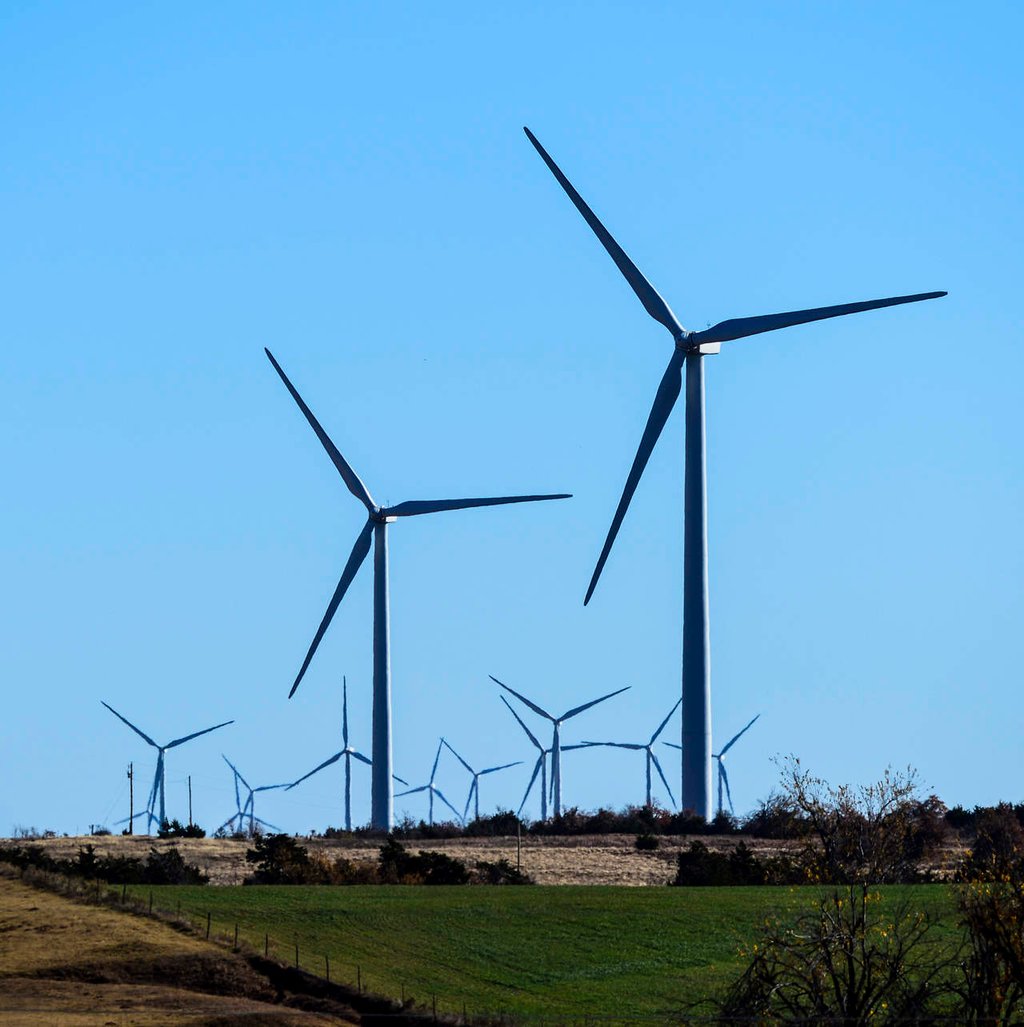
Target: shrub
(646,842)
(175,829)
(279,859)
(398,866)
(499,872)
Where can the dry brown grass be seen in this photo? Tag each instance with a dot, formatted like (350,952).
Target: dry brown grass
(65,962)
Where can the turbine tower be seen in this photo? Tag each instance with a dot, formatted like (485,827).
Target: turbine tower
(474,788)
(349,753)
(648,750)
(158,789)
(540,767)
(556,746)
(378,519)
(689,349)
(248,809)
(432,789)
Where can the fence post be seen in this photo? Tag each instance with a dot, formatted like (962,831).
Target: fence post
(124,892)
(296,952)
(327,961)
(150,903)
(208,915)
(433,999)
(266,946)
(359,980)
(236,935)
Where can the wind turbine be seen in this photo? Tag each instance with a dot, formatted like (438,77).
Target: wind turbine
(648,750)
(379,517)
(556,746)
(349,753)
(249,807)
(158,788)
(689,350)
(540,767)
(474,788)
(432,789)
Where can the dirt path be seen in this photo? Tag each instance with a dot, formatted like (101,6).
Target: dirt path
(67,963)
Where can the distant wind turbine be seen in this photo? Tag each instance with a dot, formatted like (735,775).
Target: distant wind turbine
(648,751)
(689,350)
(247,810)
(474,788)
(379,517)
(540,767)
(349,753)
(432,789)
(723,777)
(158,790)
(556,746)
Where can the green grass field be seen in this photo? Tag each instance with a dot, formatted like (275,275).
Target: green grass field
(555,952)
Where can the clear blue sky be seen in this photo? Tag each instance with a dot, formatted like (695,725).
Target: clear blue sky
(350,186)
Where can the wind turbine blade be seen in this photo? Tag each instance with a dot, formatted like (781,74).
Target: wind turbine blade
(400,780)
(351,479)
(355,561)
(661,727)
(673,745)
(612,745)
(316,770)
(141,734)
(469,798)
(366,759)
(459,758)
(736,738)
(741,327)
(414,507)
(196,734)
(648,295)
(436,760)
(593,702)
(412,791)
(725,781)
(344,710)
(529,733)
(664,780)
(440,795)
(236,772)
(664,401)
(504,766)
(529,787)
(584,745)
(522,698)
(269,788)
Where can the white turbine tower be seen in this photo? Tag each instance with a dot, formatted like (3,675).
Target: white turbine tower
(378,519)
(689,350)
(432,789)
(158,790)
(474,788)
(556,746)
(349,754)
(648,750)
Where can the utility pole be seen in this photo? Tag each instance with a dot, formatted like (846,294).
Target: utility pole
(189,800)
(131,798)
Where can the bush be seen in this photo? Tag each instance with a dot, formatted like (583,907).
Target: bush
(398,866)
(701,866)
(279,859)
(175,829)
(646,842)
(499,872)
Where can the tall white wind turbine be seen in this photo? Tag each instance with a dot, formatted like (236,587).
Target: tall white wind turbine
(158,790)
(648,750)
(378,519)
(556,740)
(689,349)
(474,788)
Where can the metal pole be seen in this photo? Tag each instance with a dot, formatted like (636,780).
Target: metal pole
(696,732)
(131,798)
(189,800)
(381,797)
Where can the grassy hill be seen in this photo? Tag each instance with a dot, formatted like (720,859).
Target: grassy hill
(533,951)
